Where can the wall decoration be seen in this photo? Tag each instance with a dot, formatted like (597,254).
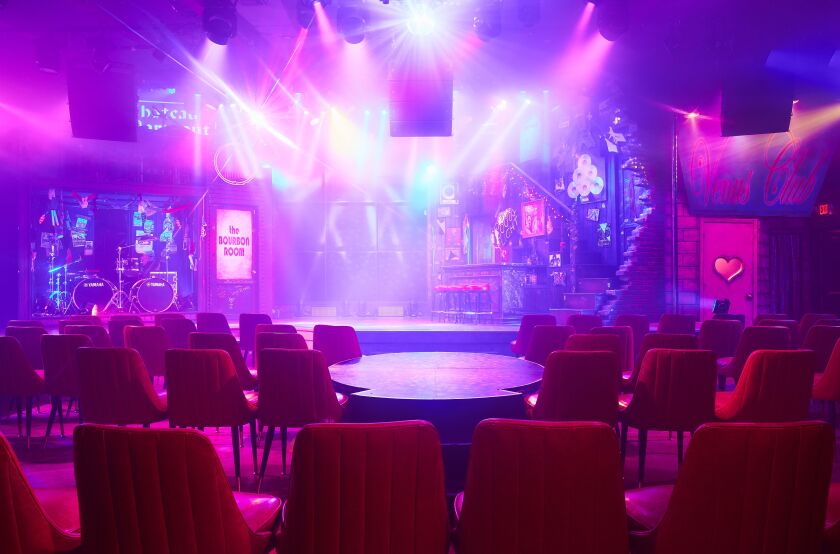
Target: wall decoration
(729,269)
(234,245)
(533,218)
(586,182)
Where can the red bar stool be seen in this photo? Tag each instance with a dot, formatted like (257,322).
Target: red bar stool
(478,302)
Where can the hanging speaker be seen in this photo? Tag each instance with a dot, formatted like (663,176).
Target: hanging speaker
(756,101)
(103,103)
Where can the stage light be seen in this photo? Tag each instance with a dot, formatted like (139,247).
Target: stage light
(692,115)
(219,21)
(305,13)
(529,12)
(315,121)
(488,19)
(613,18)
(420,21)
(352,23)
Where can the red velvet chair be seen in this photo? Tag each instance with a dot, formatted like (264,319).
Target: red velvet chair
(752,339)
(204,391)
(791,324)
(30,340)
(151,343)
(295,390)
(288,341)
(61,372)
(520,344)
(677,324)
(743,488)
(26,323)
(775,386)
(96,333)
(595,343)
(163,490)
(208,322)
(831,534)
(542,487)
(19,381)
(584,323)
(226,342)
(625,336)
(274,328)
(31,522)
(821,339)
(337,342)
(178,331)
(640,325)
(827,385)
(119,322)
(656,340)
(159,318)
(577,386)
(545,339)
(769,317)
(675,392)
(373,488)
(85,319)
(248,330)
(829,322)
(115,388)
(721,336)
(740,318)
(809,320)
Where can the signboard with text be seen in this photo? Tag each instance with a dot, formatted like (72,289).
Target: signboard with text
(234,245)
(777,174)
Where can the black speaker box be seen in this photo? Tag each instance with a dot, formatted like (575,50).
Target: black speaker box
(755,102)
(103,104)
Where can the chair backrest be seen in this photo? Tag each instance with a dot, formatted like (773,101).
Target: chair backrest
(178,330)
(579,386)
(741,318)
(526,329)
(337,342)
(721,336)
(677,324)
(769,317)
(625,336)
(640,325)
(167,315)
(151,343)
(295,388)
(61,371)
(593,343)
(674,341)
(791,324)
(562,482)
(248,328)
(366,487)
(774,386)
(209,322)
(289,341)
(675,390)
(160,490)
(202,389)
(821,339)
(97,334)
(583,323)
(758,338)
(17,377)
(750,488)
(84,319)
(274,328)
(827,386)
(226,342)
(545,339)
(829,322)
(30,340)
(809,320)
(116,325)
(25,323)
(24,526)
(115,388)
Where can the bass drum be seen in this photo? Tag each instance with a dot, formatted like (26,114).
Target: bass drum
(91,292)
(152,295)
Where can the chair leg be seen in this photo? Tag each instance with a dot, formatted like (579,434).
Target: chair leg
(69,406)
(283,437)
(269,437)
(60,416)
(28,421)
(234,431)
(679,448)
(721,382)
(831,406)
(625,429)
(50,419)
(253,429)
(642,451)
(19,407)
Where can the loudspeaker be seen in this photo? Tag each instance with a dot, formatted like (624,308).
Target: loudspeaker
(103,104)
(755,102)
(421,102)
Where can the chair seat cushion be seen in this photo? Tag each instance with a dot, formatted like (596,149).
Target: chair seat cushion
(259,510)
(646,506)
(722,399)
(832,517)
(723,366)
(62,506)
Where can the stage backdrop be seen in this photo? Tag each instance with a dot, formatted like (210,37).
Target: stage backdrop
(776,174)
(234,245)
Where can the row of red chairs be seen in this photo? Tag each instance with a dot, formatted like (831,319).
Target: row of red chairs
(379,488)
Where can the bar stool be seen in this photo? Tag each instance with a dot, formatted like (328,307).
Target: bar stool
(478,301)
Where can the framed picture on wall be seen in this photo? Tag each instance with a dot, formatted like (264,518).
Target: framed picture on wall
(533,218)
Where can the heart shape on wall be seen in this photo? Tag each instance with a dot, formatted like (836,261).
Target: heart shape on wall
(729,268)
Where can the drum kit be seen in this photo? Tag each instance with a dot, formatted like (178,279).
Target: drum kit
(155,293)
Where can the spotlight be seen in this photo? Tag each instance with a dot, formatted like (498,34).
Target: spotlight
(306,11)
(352,21)
(692,115)
(219,21)
(488,19)
(529,12)
(420,21)
(613,18)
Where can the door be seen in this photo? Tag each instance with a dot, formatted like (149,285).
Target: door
(233,261)
(728,260)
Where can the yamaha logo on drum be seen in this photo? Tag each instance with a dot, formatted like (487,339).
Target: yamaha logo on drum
(155,284)
(90,284)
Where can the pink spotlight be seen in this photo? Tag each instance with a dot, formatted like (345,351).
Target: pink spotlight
(585,18)
(328,34)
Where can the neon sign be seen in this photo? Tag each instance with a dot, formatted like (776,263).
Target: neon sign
(155,115)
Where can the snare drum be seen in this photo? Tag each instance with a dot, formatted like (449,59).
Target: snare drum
(93,291)
(152,295)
